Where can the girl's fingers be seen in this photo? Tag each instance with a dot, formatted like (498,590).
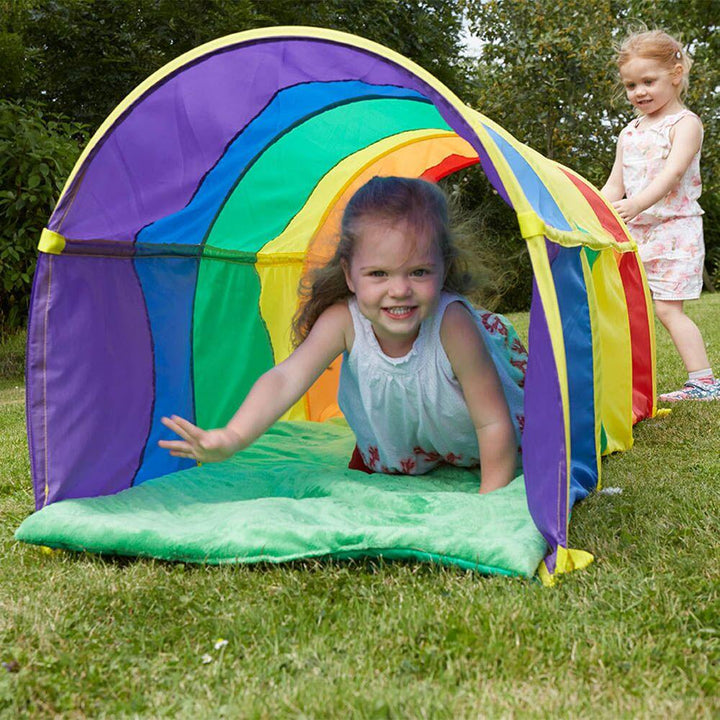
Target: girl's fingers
(180,454)
(175,445)
(186,430)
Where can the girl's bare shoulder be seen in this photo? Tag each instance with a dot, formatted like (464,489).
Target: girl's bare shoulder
(337,318)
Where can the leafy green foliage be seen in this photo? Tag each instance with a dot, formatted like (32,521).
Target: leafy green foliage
(12,354)
(37,153)
(546,73)
(91,54)
(80,58)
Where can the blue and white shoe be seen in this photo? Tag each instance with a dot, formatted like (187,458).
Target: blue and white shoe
(694,390)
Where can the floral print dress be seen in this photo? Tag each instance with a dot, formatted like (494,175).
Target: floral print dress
(669,233)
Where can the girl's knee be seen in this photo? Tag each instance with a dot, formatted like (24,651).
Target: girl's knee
(667,310)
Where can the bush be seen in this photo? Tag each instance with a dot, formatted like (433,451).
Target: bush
(37,153)
(488,230)
(711,227)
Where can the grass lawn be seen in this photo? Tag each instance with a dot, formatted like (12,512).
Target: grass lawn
(635,635)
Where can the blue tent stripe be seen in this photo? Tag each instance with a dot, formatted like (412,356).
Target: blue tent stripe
(171,324)
(577,333)
(535,191)
(286,110)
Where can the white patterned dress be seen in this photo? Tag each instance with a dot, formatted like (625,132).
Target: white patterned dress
(669,233)
(409,413)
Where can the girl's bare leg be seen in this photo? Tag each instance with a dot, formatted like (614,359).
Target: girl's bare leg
(684,333)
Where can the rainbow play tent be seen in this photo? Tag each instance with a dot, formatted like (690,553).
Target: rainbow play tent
(168,272)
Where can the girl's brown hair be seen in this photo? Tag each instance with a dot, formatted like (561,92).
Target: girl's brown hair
(656,45)
(392,199)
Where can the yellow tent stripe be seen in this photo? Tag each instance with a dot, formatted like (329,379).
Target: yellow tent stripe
(615,351)
(567,560)
(299,231)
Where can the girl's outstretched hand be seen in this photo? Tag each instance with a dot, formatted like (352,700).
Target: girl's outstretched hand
(198,444)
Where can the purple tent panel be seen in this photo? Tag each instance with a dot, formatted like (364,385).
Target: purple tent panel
(151,162)
(544,442)
(96,375)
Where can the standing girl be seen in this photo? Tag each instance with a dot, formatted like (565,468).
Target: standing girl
(425,378)
(654,186)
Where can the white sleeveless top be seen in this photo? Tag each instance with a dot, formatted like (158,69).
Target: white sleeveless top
(645,149)
(409,414)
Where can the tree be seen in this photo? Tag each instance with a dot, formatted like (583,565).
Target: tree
(37,152)
(546,72)
(91,53)
(66,64)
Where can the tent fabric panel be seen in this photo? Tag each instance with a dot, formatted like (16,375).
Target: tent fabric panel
(231,345)
(392,156)
(574,202)
(642,335)
(412,152)
(608,219)
(321,398)
(287,109)
(537,194)
(614,340)
(451,164)
(35,377)
(90,377)
(171,329)
(572,296)
(546,436)
(278,302)
(260,208)
(588,257)
(136,170)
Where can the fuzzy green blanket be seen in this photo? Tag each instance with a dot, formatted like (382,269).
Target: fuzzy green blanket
(291,496)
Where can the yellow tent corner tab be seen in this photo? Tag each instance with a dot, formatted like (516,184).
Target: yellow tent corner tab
(51,242)
(530,225)
(567,560)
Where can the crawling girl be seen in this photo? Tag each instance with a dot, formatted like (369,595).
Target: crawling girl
(425,378)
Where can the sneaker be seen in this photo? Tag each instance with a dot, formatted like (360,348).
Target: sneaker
(693,390)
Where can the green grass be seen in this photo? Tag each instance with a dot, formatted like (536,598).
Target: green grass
(12,356)
(635,635)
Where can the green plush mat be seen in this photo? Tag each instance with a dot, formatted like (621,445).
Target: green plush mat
(291,496)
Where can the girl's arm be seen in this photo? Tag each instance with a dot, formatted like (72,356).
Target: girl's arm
(271,396)
(614,188)
(686,142)
(480,383)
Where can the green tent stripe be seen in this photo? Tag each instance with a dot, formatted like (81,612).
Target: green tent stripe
(591,255)
(265,200)
(231,346)
(275,188)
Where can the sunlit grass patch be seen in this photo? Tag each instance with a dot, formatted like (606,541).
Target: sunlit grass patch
(635,635)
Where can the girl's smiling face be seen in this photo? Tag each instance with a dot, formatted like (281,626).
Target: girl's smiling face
(396,273)
(651,87)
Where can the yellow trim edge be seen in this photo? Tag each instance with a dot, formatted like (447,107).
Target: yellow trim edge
(567,560)
(51,242)
(530,225)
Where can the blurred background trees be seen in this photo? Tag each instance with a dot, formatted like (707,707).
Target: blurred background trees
(541,68)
